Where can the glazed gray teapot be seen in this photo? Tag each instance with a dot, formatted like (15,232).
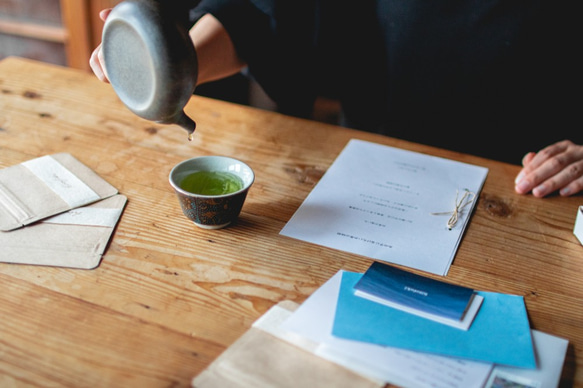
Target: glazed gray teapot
(150,60)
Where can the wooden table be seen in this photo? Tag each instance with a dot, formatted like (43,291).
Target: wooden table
(169,297)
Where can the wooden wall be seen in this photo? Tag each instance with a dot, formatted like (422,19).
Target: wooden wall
(63,32)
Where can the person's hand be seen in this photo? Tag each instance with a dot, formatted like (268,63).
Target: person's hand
(96,60)
(556,167)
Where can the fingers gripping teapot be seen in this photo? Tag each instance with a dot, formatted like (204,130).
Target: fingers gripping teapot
(150,60)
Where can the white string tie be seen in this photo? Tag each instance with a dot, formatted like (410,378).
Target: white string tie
(465,200)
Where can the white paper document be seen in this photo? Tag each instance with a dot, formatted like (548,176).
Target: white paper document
(550,353)
(391,205)
(314,320)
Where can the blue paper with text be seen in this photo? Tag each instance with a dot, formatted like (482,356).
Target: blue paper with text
(499,334)
(415,291)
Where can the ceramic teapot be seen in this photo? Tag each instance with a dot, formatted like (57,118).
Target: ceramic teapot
(150,60)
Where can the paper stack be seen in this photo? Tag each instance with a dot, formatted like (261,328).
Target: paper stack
(268,356)
(56,211)
(412,351)
(312,345)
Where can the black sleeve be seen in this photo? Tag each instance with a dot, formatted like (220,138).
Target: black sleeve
(275,40)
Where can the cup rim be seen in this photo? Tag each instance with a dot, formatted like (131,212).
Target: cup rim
(245,187)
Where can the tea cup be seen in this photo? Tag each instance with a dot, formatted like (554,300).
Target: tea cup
(211,190)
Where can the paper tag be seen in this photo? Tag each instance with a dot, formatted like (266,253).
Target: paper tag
(505,379)
(62,181)
(578,230)
(87,216)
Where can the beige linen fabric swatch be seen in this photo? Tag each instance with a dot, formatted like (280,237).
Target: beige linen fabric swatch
(76,238)
(45,186)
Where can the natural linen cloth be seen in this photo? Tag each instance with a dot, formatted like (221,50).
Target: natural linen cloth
(45,186)
(74,239)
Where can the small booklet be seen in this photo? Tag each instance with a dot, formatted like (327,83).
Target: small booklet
(447,303)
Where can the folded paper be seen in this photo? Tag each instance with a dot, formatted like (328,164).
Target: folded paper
(263,358)
(380,202)
(443,302)
(314,320)
(550,354)
(415,291)
(578,229)
(46,186)
(499,334)
(75,239)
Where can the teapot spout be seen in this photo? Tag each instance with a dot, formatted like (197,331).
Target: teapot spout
(186,122)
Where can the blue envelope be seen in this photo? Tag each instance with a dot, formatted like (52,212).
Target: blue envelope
(499,334)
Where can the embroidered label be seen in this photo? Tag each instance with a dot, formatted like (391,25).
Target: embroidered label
(62,181)
(89,216)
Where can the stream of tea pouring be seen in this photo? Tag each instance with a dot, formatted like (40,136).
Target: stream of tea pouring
(150,61)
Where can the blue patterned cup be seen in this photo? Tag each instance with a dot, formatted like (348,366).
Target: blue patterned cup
(211,211)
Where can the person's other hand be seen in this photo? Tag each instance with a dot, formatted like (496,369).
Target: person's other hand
(96,60)
(556,167)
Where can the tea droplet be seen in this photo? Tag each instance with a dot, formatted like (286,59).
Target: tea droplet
(190,136)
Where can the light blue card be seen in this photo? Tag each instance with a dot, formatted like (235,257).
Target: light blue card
(499,334)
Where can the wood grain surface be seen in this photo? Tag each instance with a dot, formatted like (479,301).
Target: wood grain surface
(169,297)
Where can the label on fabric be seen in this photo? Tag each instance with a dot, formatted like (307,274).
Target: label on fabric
(62,181)
(88,216)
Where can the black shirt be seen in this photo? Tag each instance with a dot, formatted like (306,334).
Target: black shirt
(495,78)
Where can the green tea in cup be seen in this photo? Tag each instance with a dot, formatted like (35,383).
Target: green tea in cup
(211,183)
(211,189)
